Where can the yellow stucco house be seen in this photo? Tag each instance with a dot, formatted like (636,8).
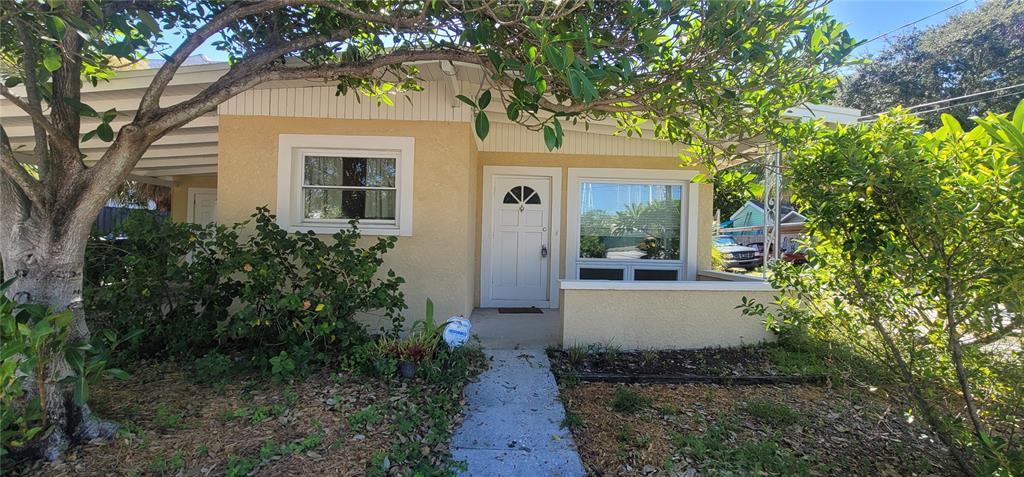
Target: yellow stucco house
(609,230)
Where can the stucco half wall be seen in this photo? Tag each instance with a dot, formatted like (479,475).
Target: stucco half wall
(667,316)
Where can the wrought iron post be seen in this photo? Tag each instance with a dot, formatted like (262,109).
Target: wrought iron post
(772,198)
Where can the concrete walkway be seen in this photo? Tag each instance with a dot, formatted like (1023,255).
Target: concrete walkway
(513,420)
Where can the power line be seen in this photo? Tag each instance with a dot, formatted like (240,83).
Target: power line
(943,108)
(933,103)
(894,30)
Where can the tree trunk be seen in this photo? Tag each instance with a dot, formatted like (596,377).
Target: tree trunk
(914,390)
(957,356)
(47,261)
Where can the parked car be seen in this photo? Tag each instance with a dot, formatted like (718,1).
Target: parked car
(735,255)
(758,250)
(797,258)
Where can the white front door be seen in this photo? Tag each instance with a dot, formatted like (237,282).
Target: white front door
(518,237)
(202,206)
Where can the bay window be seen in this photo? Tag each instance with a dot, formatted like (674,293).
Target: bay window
(628,225)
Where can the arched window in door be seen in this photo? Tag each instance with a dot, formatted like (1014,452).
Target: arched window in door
(521,195)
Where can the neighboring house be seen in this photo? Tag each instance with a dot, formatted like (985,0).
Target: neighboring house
(751,214)
(115,213)
(608,229)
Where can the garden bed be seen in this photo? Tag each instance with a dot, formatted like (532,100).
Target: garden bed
(325,424)
(694,430)
(769,364)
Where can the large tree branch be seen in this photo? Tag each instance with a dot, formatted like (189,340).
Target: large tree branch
(151,98)
(66,84)
(37,117)
(394,21)
(30,58)
(13,169)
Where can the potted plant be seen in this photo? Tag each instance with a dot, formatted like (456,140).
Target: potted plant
(413,349)
(420,344)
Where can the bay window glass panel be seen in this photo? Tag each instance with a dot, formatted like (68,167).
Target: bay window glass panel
(349,204)
(629,221)
(602,274)
(666,275)
(349,171)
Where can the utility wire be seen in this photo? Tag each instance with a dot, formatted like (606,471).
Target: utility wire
(941,101)
(894,30)
(943,108)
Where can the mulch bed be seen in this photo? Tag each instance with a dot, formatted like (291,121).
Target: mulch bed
(828,431)
(746,365)
(171,426)
(708,361)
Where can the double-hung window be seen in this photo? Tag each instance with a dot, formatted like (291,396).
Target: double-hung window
(339,186)
(328,181)
(628,225)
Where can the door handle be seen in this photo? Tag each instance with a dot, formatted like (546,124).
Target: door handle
(543,251)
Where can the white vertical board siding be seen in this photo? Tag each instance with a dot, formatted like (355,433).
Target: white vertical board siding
(320,102)
(434,103)
(507,137)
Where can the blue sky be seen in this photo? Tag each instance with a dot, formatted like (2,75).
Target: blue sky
(865,19)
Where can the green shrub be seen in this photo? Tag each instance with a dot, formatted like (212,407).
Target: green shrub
(213,369)
(267,293)
(146,283)
(917,270)
(282,367)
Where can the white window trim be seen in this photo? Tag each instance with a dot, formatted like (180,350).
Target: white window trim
(689,211)
(292,148)
(723,286)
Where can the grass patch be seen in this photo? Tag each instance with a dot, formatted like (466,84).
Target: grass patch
(716,449)
(166,418)
(255,414)
(271,449)
(793,362)
(572,420)
(666,409)
(168,466)
(364,418)
(172,425)
(629,401)
(749,430)
(776,414)
(239,466)
(577,354)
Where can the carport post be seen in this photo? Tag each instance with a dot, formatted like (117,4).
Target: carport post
(772,197)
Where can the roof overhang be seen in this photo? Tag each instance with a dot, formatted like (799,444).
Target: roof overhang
(192,148)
